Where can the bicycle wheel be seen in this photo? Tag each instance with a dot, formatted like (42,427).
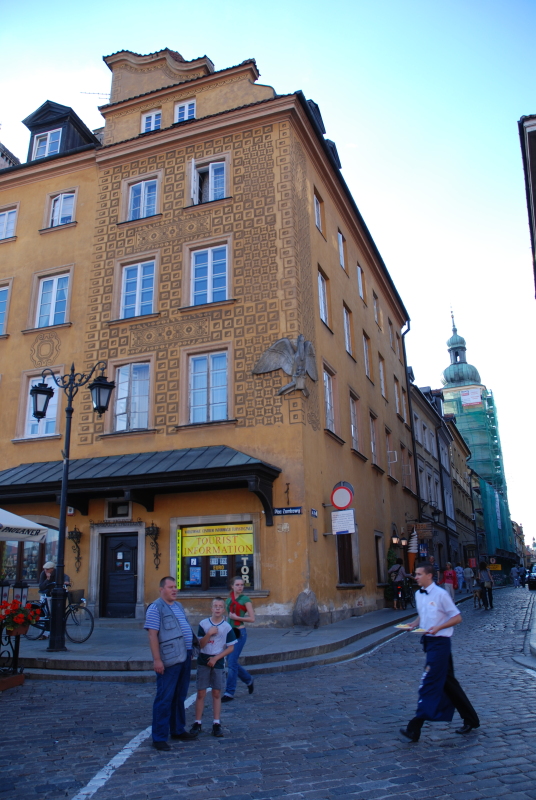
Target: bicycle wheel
(79,624)
(411,597)
(36,628)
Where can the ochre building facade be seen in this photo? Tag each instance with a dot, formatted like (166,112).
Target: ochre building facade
(205,222)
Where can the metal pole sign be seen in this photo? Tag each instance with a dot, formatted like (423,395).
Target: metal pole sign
(342,495)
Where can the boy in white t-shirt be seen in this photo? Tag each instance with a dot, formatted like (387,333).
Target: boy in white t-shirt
(216,640)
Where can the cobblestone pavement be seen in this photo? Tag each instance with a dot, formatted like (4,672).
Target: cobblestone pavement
(324,733)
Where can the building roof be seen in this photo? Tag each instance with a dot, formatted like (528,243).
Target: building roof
(5,152)
(141,476)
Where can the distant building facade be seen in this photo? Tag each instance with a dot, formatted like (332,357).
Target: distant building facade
(527,137)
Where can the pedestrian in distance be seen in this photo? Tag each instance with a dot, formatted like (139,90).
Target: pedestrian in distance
(485,578)
(440,694)
(523,576)
(239,611)
(468,577)
(514,574)
(47,582)
(450,580)
(170,640)
(432,562)
(459,576)
(398,574)
(216,640)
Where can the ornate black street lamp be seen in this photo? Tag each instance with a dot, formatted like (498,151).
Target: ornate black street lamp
(101,392)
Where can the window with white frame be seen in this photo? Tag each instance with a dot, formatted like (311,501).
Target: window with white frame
(209,275)
(341,242)
(397,397)
(380,557)
(52,301)
(61,209)
(323,297)
(381,364)
(207,182)
(137,291)
(328,401)
(151,121)
(142,199)
(391,336)
(4,297)
(404,405)
(376,307)
(392,455)
(354,422)
(47,144)
(347,319)
(397,342)
(319,211)
(7,223)
(422,485)
(425,436)
(46,426)
(208,387)
(438,493)
(131,402)
(417,428)
(373,439)
(184,111)
(366,353)
(361,282)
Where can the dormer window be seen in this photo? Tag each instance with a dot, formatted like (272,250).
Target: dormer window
(47,144)
(184,111)
(151,121)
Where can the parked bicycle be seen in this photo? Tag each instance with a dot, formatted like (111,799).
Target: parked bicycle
(78,620)
(404,594)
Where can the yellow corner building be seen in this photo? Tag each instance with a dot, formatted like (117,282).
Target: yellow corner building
(203,244)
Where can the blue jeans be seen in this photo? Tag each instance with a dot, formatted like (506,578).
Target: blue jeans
(168,707)
(234,669)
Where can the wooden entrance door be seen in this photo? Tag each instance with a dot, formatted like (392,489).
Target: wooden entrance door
(119,575)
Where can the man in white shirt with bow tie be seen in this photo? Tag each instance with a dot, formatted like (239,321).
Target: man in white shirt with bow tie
(439,693)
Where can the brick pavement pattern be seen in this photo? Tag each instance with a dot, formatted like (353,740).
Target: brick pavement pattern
(325,733)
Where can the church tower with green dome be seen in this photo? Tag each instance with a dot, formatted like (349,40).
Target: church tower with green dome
(473,406)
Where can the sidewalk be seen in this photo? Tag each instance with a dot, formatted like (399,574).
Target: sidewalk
(122,653)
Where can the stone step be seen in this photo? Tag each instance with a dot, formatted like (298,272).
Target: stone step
(363,645)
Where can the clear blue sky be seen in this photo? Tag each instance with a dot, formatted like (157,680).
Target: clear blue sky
(422,98)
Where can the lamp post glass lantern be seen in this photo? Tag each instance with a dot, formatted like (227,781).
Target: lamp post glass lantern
(101,390)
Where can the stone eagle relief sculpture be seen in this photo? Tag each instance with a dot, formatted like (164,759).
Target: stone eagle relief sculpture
(296,357)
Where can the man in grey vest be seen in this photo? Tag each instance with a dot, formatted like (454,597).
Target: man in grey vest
(170,640)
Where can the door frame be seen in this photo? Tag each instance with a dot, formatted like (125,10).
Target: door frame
(96,532)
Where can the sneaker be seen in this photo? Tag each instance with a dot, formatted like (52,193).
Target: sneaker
(217,729)
(227,698)
(196,728)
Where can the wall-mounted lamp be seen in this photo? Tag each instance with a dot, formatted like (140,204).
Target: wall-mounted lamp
(152,531)
(75,535)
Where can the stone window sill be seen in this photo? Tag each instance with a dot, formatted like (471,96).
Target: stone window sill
(359,455)
(36,438)
(393,480)
(142,317)
(334,436)
(140,221)
(138,432)
(72,224)
(4,335)
(222,200)
(230,301)
(206,424)
(8,239)
(326,325)
(350,586)
(378,468)
(47,328)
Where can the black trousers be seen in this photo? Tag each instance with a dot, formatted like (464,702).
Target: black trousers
(487,596)
(457,697)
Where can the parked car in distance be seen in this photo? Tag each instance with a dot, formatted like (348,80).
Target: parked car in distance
(531,578)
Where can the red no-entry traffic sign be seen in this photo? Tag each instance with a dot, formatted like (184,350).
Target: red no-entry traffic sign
(342,495)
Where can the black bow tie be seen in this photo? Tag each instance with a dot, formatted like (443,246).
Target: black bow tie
(423,591)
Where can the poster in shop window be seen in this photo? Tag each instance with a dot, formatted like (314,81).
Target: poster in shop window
(217,540)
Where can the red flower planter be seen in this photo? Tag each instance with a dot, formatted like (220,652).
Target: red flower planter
(20,630)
